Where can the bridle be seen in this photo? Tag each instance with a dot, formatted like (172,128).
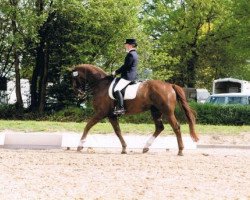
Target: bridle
(78,86)
(83,88)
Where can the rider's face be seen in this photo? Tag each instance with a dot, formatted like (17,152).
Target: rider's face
(127,47)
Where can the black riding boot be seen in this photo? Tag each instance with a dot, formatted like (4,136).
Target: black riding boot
(119,109)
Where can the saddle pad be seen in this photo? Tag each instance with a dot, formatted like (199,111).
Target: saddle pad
(130,91)
(122,83)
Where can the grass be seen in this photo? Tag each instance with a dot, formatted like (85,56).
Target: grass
(48,126)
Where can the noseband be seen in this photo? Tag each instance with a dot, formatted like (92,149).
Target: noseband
(83,90)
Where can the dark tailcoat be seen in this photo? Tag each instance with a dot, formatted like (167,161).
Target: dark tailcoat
(128,71)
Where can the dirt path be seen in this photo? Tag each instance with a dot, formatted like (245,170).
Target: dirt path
(241,139)
(106,174)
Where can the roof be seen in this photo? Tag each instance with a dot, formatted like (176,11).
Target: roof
(230,80)
(230,94)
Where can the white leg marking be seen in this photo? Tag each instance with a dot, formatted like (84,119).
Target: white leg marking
(81,142)
(149,142)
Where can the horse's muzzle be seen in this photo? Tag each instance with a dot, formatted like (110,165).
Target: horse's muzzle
(81,95)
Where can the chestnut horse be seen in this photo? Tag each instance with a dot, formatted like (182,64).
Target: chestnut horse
(158,96)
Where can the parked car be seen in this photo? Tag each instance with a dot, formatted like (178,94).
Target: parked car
(229,98)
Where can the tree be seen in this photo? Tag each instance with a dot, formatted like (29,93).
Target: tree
(80,32)
(14,31)
(241,45)
(16,53)
(6,46)
(196,38)
(53,35)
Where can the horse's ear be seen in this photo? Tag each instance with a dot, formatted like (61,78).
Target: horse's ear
(70,69)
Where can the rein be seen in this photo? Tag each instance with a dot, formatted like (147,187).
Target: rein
(86,90)
(86,85)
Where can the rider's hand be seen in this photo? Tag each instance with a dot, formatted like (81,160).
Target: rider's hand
(113,73)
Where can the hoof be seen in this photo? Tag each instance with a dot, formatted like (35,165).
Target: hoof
(79,148)
(68,148)
(145,150)
(124,152)
(180,154)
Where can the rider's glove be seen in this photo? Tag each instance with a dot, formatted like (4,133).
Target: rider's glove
(113,73)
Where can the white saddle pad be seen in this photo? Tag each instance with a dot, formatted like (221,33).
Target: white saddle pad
(130,91)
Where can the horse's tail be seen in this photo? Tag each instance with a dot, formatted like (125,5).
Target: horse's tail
(190,114)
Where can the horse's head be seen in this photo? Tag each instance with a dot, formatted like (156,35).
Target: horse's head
(85,77)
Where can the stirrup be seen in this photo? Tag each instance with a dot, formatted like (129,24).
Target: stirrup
(119,111)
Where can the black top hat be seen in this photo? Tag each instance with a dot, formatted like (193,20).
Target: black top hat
(131,41)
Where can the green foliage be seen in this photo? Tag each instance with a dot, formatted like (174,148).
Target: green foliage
(197,41)
(92,31)
(223,114)
(206,114)
(189,42)
(12,112)
(7,111)
(137,119)
(22,13)
(74,114)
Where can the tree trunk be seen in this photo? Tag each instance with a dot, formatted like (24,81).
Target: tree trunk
(33,89)
(43,80)
(19,102)
(191,72)
(35,77)
(39,64)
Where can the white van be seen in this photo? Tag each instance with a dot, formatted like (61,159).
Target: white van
(229,98)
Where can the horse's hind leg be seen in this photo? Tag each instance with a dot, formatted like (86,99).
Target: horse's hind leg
(176,128)
(114,122)
(159,127)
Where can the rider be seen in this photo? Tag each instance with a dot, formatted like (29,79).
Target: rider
(128,71)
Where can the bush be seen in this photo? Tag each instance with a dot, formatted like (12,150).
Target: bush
(222,114)
(206,114)
(8,111)
(75,114)
(138,118)
(12,112)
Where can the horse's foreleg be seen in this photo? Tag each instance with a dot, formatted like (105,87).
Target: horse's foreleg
(95,119)
(114,122)
(159,127)
(176,128)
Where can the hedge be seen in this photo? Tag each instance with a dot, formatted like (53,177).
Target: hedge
(222,114)
(206,114)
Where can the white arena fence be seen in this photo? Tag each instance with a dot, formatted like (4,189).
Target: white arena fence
(38,140)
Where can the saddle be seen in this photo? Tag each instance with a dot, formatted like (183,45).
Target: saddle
(127,88)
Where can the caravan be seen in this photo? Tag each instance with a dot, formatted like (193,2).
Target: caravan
(231,85)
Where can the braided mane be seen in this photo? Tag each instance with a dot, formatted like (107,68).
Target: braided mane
(91,69)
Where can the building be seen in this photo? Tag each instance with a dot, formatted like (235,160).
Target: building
(8,91)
